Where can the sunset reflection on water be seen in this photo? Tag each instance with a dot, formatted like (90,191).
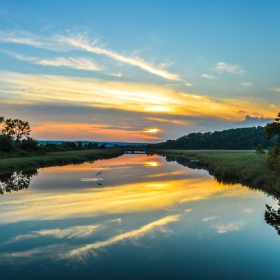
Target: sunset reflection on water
(128,208)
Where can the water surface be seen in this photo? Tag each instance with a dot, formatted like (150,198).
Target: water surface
(135,216)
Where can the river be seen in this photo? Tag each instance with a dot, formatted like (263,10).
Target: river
(133,217)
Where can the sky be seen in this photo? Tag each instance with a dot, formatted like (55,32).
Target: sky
(138,71)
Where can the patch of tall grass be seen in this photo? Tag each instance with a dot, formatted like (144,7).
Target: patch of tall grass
(58,158)
(230,167)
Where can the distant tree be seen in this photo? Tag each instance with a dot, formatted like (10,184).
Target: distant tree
(103,146)
(29,144)
(260,150)
(68,145)
(80,145)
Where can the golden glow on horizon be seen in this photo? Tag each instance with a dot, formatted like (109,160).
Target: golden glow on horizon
(164,105)
(152,130)
(125,96)
(132,197)
(87,132)
(152,163)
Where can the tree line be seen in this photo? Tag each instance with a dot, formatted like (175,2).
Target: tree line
(15,140)
(231,139)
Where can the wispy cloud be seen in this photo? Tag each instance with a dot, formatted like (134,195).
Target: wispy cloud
(276,89)
(76,63)
(119,74)
(206,76)
(247,84)
(82,42)
(188,84)
(209,219)
(225,67)
(134,234)
(75,231)
(27,38)
(234,226)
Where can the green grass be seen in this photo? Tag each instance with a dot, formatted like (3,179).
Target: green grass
(244,167)
(57,158)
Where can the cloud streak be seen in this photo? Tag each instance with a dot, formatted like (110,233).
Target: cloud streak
(206,76)
(82,42)
(75,63)
(71,232)
(134,234)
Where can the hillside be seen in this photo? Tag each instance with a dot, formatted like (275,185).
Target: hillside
(232,139)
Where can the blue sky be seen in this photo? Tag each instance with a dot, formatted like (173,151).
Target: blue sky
(138,70)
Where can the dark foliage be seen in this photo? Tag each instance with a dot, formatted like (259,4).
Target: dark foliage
(16,181)
(260,150)
(6,144)
(273,130)
(29,144)
(272,217)
(232,139)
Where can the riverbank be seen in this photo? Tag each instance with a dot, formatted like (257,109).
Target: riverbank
(57,158)
(232,166)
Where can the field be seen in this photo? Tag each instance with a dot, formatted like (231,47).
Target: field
(56,158)
(233,166)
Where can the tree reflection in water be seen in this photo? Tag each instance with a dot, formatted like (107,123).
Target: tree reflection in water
(17,180)
(272,217)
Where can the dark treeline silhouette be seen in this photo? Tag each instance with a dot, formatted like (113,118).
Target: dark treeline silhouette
(16,180)
(15,141)
(232,139)
(72,146)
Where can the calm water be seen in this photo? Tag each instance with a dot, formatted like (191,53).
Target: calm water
(141,217)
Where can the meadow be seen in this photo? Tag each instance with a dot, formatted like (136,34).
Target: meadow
(56,158)
(233,166)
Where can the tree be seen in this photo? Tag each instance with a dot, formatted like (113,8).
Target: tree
(29,144)
(272,130)
(260,150)
(15,128)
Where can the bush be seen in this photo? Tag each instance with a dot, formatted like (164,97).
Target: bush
(260,150)
(6,144)
(29,144)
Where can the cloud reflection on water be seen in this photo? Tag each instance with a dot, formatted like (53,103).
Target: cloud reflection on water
(141,190)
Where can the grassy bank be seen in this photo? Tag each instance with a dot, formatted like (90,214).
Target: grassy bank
(57,158)
(244,167)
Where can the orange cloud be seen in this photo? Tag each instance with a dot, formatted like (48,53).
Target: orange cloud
(70,131)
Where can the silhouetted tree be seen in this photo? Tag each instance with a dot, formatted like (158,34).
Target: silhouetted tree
(273,130)
(15,128)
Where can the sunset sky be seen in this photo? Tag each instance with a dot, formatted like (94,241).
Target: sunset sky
(138,71)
